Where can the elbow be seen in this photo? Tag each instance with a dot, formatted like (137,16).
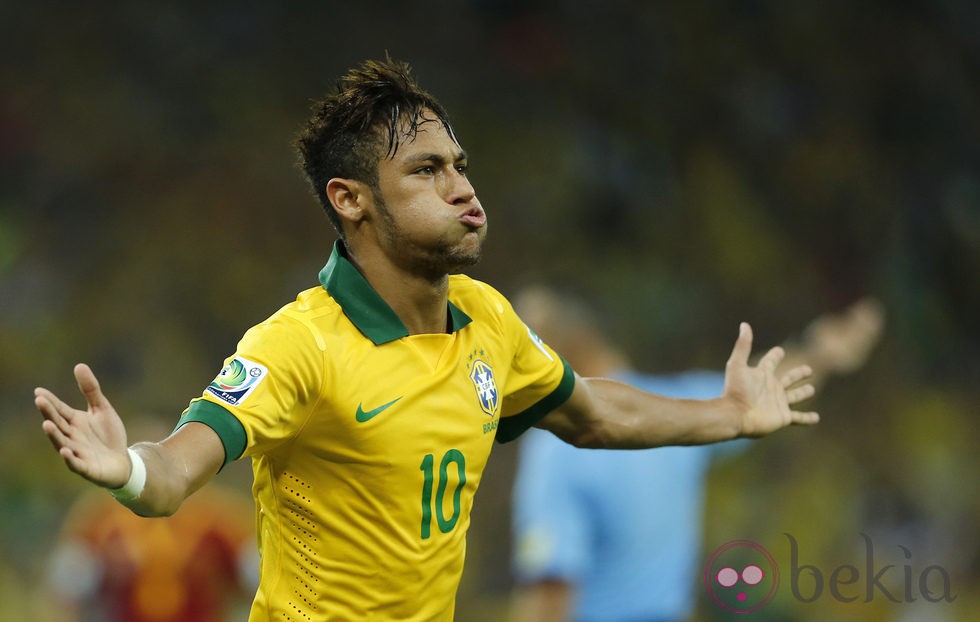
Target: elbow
(148,509)
(162,511)
(585,439)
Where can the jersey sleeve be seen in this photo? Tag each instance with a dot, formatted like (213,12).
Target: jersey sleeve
(539,381)
(265,391)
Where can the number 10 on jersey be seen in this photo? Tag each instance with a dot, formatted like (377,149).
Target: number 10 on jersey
(453,456)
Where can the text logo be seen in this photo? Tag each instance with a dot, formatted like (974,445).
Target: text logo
(868,579)
(741,576)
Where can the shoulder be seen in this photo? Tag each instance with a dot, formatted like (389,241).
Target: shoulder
(487,307)
(305,320)
(311,306)
(482,302)
(469,293)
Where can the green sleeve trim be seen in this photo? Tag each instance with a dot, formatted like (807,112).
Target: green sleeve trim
(512,427)
(228,428)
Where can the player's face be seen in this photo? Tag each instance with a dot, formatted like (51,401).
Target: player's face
(427,213)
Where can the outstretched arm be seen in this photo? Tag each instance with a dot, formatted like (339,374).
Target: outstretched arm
(838,343)
(603,413)
(92,443)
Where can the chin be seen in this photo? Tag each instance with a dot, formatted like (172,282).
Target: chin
(461,258)
(452,258)
(459,261)
(448,261)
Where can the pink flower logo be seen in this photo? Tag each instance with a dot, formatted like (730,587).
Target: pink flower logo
(741,576)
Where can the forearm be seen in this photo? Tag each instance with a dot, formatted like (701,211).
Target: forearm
(164,487)
(175,468)
(624,417)
(604,413)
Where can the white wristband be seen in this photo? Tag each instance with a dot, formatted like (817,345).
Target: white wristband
(131,490)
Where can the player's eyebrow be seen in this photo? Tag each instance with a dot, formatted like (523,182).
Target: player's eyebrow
(437,159)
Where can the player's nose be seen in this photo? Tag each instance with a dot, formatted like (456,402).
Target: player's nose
(460,191)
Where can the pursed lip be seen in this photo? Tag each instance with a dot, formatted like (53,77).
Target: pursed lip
(474,217)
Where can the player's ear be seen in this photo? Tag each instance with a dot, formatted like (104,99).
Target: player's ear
(348,197)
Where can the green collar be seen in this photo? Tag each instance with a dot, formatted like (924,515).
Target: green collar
(363,306)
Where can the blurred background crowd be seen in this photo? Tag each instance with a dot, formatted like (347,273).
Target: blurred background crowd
(692,164)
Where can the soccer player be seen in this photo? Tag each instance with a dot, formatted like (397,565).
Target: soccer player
(195,566)
(615,535)
(370,403)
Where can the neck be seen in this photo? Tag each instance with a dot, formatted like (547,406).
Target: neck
(419,301)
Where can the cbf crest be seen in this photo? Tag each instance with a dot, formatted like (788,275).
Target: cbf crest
(486,386)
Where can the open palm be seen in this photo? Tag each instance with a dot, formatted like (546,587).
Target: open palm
(765,400)
(92,442)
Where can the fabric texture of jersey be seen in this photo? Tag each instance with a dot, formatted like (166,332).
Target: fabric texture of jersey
(623,526)
(368,444)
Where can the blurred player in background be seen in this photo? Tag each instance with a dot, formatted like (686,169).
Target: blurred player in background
(109,565)
(614,536)
(12,589)
(199,565)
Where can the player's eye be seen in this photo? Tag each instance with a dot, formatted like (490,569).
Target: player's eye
(462,168)
(425,170)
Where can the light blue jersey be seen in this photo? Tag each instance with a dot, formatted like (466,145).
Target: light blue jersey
(623,526)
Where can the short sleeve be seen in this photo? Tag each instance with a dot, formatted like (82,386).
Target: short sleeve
(266,389)
(539,380)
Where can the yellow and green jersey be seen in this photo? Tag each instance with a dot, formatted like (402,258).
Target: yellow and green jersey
(368,443)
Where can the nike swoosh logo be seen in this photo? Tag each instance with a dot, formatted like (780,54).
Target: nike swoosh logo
(366,415)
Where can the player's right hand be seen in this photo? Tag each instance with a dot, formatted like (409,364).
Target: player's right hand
(91,442)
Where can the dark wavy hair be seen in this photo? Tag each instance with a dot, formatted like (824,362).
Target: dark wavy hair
(373,109)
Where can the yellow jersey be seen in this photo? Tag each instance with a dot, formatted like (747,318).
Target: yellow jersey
(368,443)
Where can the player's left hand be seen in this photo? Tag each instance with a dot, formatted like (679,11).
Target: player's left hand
(762,398)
